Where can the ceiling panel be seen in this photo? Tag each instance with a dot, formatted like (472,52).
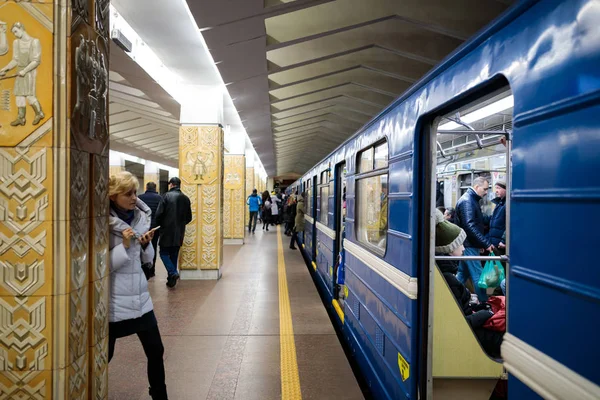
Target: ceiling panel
(306,74)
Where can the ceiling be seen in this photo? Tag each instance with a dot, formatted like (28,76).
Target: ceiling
(144,119)
(305,75)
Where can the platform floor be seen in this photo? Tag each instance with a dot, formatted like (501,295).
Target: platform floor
(222,338)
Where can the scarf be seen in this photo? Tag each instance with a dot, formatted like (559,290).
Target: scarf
(125,215)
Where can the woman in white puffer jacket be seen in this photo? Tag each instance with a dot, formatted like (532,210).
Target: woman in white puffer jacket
(130,306)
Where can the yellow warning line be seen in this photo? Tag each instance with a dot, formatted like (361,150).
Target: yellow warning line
(290,379)
(338,309)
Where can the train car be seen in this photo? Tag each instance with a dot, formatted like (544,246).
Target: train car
(516,104)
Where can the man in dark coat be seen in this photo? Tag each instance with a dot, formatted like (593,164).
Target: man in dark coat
(470,218)
(173,214)
(152,200)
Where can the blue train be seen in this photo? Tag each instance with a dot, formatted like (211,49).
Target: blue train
(519,102)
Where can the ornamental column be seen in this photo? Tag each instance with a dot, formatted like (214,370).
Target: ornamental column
(201,172)
(53,199)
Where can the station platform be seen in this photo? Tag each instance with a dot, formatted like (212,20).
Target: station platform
(260,332)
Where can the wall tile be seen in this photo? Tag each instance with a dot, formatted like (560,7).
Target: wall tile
(25,333)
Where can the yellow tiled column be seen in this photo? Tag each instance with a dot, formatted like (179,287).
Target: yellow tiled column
(53,199)
(201,173)
(249,187)
(234,201)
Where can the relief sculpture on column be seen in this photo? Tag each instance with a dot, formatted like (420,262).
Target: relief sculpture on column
(26,58)
(89,117)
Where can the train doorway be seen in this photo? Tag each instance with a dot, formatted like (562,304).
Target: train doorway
(469,161)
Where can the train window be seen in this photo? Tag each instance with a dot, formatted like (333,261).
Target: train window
(365,160)
(308,200)
(372,216)
(372,198)
(324,204)
(381,156)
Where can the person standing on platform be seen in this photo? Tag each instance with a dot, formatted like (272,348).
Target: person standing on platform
(254,202)
(470,218)
(266,209)
(152,200)
(173,214)
(299,221)
(130,306)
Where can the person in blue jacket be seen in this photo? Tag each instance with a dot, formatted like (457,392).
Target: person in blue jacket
(254,202)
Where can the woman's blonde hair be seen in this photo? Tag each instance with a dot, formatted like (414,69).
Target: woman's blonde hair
(122,182)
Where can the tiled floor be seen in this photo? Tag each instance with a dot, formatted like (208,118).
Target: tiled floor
(222,338)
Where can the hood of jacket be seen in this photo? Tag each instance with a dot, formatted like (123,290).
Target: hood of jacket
(117,225)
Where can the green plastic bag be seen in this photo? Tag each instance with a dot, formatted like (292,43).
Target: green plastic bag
(492,274)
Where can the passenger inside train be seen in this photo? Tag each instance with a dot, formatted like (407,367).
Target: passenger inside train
(473,168)
(449,239)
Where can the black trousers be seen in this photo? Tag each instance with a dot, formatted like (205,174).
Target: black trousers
(153,347)
(294,237)
(155,246)
(253,216)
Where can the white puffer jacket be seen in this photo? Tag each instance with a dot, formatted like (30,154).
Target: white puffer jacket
(129,296)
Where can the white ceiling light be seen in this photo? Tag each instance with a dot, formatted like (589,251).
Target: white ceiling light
(484,112)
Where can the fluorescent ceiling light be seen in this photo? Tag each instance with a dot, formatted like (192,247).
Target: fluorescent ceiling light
(484,112)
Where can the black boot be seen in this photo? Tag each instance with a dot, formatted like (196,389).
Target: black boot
(158,394)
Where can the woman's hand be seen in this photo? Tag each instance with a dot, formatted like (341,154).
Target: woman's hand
(147,238)
(127,235)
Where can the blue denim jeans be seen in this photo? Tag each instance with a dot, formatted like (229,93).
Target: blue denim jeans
(169,256)
(471,269)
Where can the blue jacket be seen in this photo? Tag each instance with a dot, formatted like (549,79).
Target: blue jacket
(470,218)
(152,200)
(498,222)
(254,202)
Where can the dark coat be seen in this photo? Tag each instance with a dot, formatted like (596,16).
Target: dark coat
(470,218)
(498,222)
(475,315)
(152,200)
(173,214)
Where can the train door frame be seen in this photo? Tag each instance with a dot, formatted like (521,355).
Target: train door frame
(340,183)
(313,212)
(427,194)
(338,195)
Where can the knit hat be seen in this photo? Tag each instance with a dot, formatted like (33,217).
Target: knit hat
(501,183)
(448,237)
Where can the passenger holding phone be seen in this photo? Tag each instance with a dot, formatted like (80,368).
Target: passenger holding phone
(130,307)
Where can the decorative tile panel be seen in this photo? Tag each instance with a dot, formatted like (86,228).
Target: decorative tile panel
(25,333)
(19,118)
(18,385)
(78,378)
(99,264)
(99,310)
(100,177)
(25,209)
(78,324)
(99,370)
